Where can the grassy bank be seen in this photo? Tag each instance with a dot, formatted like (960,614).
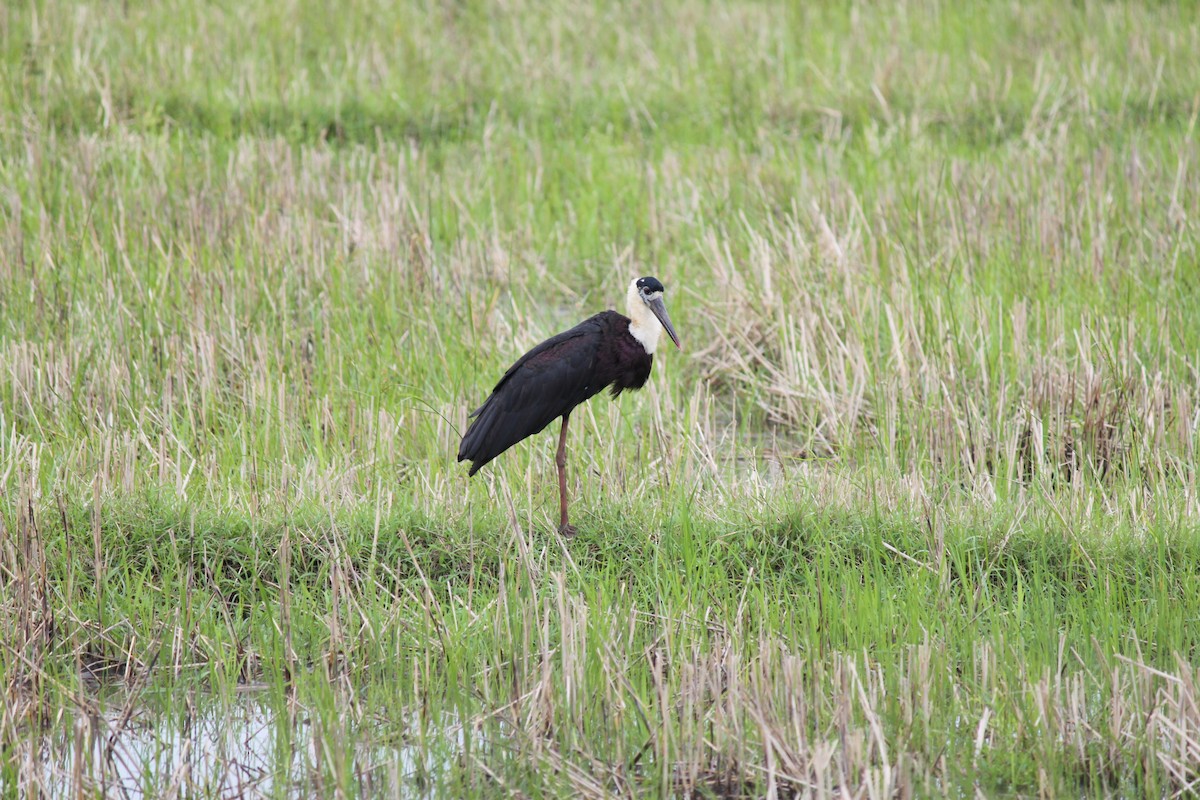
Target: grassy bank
(914,511)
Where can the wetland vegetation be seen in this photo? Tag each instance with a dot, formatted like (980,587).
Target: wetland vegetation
(913,513)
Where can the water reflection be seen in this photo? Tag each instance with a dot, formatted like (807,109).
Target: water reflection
(239,749)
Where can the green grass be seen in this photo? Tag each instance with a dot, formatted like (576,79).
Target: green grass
(914,511)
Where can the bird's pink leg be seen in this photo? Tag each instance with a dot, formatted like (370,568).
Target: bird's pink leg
(565,528)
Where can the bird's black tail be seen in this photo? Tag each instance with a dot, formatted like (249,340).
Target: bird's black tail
(475,442)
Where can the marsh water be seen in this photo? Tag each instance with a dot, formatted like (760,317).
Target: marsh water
(241,748)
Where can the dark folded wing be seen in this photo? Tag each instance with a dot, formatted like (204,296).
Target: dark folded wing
(544,384)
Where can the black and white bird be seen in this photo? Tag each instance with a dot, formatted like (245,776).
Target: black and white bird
(553,378)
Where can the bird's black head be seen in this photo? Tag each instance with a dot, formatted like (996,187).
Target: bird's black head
(648,286)
(647,294)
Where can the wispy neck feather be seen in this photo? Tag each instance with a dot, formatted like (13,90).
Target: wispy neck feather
(643,325)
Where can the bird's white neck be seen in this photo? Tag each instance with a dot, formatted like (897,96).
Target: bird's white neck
(643,325)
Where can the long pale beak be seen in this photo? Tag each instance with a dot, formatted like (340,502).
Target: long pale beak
(660,310)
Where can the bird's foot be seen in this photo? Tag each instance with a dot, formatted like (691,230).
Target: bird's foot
(567,529)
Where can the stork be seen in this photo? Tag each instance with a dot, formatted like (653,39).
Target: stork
(553,378)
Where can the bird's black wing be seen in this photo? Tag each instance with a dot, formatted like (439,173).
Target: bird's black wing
(545,383)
